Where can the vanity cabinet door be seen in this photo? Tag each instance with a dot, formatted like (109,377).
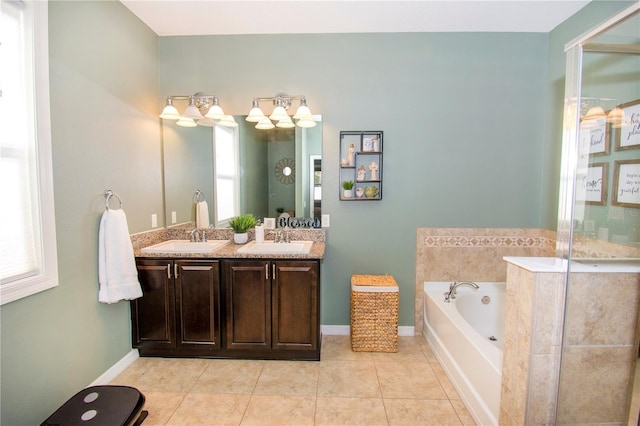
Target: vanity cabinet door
(197,292)
(153,314)
(248,305)
(296,322)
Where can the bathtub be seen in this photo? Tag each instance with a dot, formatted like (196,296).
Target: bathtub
(466,336)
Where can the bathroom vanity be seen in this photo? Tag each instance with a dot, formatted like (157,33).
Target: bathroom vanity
(229,305)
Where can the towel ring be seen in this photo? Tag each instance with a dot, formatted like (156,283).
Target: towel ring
(107,195)
(197,195)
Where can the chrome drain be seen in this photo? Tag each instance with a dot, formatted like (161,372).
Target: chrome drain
(485,300)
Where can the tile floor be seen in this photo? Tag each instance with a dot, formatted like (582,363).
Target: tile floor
(345,388)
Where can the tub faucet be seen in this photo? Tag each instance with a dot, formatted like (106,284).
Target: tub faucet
(451,294)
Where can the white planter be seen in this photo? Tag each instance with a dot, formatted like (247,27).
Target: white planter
(240,238)
(347,193)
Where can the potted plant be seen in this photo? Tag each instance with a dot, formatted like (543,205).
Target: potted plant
(347,186)
(241,225)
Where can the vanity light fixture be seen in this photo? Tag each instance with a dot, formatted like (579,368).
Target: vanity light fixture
(228,121)
(265,124)
(282,102)
(595,113)
(617,118)
(201,110)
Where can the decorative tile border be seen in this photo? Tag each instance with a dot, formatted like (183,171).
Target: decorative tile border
(486,241)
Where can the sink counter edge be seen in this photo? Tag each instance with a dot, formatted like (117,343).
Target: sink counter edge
(230,251)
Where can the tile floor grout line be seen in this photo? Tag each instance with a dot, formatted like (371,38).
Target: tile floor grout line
(338,351)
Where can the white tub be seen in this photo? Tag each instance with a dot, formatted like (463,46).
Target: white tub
(466,336)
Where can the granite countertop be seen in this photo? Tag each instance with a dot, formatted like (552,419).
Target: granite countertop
(229,251)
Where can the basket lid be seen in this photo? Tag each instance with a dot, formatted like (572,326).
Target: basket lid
(374,283)
(377,280)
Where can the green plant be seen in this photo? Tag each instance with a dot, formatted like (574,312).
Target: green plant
(280,210)
(347,185)
(241,224)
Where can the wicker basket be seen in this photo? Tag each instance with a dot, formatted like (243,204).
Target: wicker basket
(374,313)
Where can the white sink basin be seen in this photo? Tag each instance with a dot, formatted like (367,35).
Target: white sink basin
(185,246)
(269,247)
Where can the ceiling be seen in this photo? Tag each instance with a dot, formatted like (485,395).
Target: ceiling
(209,17)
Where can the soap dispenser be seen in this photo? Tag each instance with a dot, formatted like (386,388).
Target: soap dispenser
(259,233)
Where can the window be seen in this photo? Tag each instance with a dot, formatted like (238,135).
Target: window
(28,257)
(226,174)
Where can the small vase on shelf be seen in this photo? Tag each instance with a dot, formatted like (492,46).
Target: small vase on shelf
(347,187)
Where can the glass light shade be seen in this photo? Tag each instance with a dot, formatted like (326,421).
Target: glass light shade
(207,122)
(170,113)
(228,121)
(306,122)
(588,124)
(279,113)
(615,116)
(215,112)
(303,112)
(186,122)
(285,123)
(255,115)
(192,110)
(265,124)
(595,113)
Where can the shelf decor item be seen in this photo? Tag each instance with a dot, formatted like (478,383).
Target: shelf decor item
(241,225)
(347,187)
(361,164)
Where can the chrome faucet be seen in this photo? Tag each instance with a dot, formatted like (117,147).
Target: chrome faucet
(201,238)
(451,294)
(281,236)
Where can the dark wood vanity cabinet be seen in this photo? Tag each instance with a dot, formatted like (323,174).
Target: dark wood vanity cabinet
(153,316)
(237,308)
(272,308)
(179,312)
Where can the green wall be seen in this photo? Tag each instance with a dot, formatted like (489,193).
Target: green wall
(105,135)
(462,118)
(467,137)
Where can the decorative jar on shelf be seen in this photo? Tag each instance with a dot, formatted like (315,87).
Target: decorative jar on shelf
(347,189)
(371,191)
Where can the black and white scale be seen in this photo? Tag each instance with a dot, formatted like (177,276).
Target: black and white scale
(101,406)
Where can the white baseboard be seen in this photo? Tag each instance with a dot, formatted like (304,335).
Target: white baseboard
(116,368)
(345,330)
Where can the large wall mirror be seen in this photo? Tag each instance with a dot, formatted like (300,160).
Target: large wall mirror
(242,170)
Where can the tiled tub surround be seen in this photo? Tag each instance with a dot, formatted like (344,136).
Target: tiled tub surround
(600,345)
(474,254)
(534,316)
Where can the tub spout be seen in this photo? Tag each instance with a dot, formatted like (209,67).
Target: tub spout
(451,294)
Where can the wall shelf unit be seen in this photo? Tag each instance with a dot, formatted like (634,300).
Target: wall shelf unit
(361,163)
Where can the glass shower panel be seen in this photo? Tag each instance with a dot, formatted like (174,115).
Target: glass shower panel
(598,228)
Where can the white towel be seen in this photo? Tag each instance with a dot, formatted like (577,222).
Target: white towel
(202,215)
(117,272)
